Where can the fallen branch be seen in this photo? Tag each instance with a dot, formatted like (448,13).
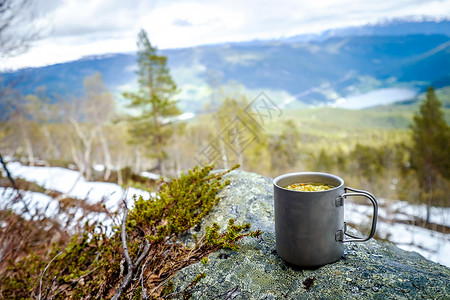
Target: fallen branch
(124,238)
(14,186)
(131,267)
(13,183)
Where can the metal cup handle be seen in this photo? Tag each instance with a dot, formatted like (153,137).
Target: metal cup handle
(340,202)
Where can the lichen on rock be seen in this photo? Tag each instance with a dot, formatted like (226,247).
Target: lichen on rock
(370,270)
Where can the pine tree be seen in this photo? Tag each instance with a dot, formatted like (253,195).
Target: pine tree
(153,101)
(429,157)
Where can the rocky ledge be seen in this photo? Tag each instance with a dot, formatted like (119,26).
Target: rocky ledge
(370,270)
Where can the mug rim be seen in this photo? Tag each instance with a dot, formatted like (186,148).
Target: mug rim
(293,174)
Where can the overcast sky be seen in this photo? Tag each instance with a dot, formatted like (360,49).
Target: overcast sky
(77,28)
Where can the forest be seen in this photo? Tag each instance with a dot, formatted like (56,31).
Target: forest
(399,151)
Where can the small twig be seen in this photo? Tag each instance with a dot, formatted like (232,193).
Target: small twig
(42,275)
(125,252)
(74,282)
(231,293)
(227,294)
(143,254)
(141,277)
(131,267)
(121,267)
(13,183)
(14,186)
(162,283)
(49,287)
(186,288)
(124,239)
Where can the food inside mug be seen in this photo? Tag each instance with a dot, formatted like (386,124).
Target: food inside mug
(309,187)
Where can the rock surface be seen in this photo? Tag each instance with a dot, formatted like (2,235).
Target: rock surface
(370,270)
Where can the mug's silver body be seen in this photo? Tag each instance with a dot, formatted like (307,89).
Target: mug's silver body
(307,223)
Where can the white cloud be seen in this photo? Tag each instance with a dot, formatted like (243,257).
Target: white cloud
(97,16)
(202,23)
(82,28)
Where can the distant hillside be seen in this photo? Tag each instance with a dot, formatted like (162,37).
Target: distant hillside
(338,64)
(66,79)
(335,123)
(393,27)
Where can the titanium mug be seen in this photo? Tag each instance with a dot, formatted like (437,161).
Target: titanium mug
(309,226)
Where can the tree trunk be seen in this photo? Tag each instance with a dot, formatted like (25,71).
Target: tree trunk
(177,157)
(238,147)
(157,138)
(85,157)
(137,162)
(429,193)
(223,150)
(30,153)
(106,155)
(119,172)
(52,151)
(159,154)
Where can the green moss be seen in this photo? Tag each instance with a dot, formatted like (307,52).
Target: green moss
(229,238)
(198,278)
(180,204)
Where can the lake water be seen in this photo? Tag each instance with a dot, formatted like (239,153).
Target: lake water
(375,97)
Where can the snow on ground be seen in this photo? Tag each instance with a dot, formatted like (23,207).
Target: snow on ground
(150,175)
(34,205)
(439,215)
(430,244)
(68,182)
(35,202)
(71,183)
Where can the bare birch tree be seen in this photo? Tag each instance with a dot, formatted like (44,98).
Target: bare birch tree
(88,116)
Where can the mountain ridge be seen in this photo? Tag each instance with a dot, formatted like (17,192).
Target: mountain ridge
(323,69)
(392,27)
